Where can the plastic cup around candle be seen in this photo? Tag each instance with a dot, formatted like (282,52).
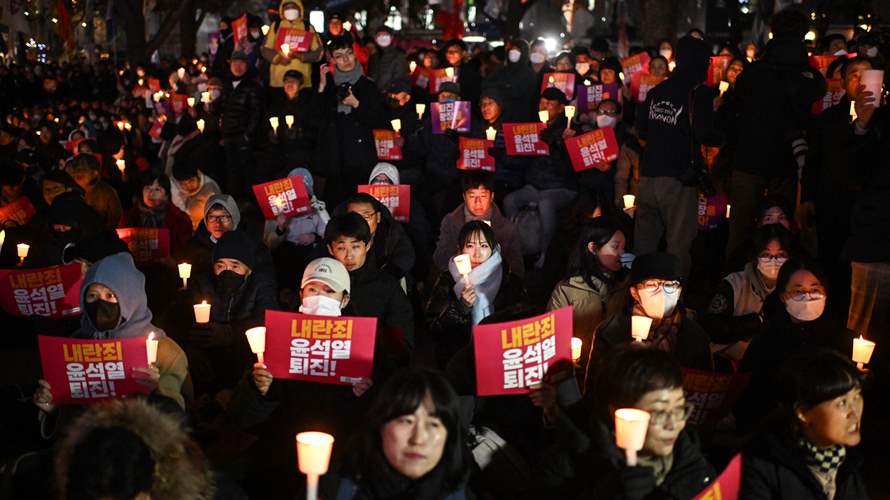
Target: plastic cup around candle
(265,29)
(631,425)
(462,262)
(724,86)
(151,348)
(285,49)
(873,80)
(576,348)
(256,337)
(180,73)
(412,66)
(121,165)
(862,351)
(420,108)
(313,457)
(202,312)
(570,112)
(205,97)
(200,124)
(639,327)
(544,115)
(191,102)
(289,120)
(491,134)
(273,120)
(22,250)
(396,124)
(185,272)
(347,26)
(728,210)
(629,200)
(449,72)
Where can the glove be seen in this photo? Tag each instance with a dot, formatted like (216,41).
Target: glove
(211,335)
(627,260)
(637,482)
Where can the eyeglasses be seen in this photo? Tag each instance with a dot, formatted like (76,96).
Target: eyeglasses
(802,296)
(607,112)
(367,215)
(652,286)
(219,219)
(774,258)
(678,415)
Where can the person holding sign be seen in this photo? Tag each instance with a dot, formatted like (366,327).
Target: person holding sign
(152,209)
(113,299)
(814,452)
(515,81)
(670,464)
(293,25)
(459,301)
(418,225)
(391,249)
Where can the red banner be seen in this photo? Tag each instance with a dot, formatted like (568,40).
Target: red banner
(727,486)
(385,142)
(154,85)
(438,77)
(450,116)
(595,149)
(589,96)
(822,63)
(712,394)
(474,154)
(717,70)
(239,31)
(155,131)
(524,139)
(17,213)
(635,64)
(562,81)
(832,97)
(53,292)
(318,348)
(296,39)
(420,78)
(514,355)
(286,196)
(146,243)
(395,197)
(86,371)
(641,84)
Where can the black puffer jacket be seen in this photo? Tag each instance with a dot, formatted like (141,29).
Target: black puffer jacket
(375,293)
(241,109)
(392,250)
(516,82)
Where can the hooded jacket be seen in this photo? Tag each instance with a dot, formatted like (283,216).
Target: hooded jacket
(387,64)
(270,49)
(516,82)
(119,273)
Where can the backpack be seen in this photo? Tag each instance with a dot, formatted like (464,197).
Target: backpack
(529,229)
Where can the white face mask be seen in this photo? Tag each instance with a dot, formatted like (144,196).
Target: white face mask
(537,58)
(666,53)
(603,121)
(291,14)
(660,304)
(320,305)
(514,56)
(582,68)
(805,310)
(871,52)
(384,40)
(769,267)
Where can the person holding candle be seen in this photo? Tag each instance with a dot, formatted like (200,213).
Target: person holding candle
(654,290)
(812,451)
(152,208)
(454,51)
(418,229)
(459,302)
(292,17)
(190,189)
(508,169)
(296,143)
(84,169)
(515,82)
(241,121)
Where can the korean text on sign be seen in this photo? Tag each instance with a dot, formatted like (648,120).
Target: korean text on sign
(52,292)
(524,139)
(395,197)
(84,371)
(589,96)
(319,349)
(297,40)
(17,213)
(512,356)
(146,243)
(385,143)
(595,149)
(450,116)
(286,196)
(474,155)
(712,395)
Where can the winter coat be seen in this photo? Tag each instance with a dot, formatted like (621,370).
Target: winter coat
(516,82)
(734,311)
(104,200)
(387,65)
(301,62)
(773,468)
(174,220)
(504,232)
(588,307)
(378,294)
(297,142)
(199,253)
(193,204)
(553,171)
(241,111)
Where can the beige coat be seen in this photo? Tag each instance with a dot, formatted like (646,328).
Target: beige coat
(589,308)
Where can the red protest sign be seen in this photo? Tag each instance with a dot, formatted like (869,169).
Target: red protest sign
(589,96)
(17,213)
(154,84)
(297,40)
(385,142)
(179,102)
(637,63)
(86,371)
(420,78)
(712,394)
(318,348)
(474,154)
(450,116)
(595,149)
(822,63)
(155,131)
(439,76)
(239,31)
(524,139)
(53,292)
(641,84)
(395,197)
(728,485)
(286,196)
(514,355)
(146,243)
(832,96)
(562,81)
(717,70)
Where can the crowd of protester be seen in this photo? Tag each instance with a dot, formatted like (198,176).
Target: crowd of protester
(775,291)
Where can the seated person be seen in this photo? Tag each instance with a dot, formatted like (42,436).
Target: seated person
(84,169)
(418,225)
(190,190)
(391,248)
(478,193)
(152,208)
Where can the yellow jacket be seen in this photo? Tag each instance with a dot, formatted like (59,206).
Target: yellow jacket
(301,62)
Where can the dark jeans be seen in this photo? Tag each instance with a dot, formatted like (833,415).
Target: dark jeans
(666,208)
(239,169)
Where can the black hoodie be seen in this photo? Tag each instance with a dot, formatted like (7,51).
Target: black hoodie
(516,83)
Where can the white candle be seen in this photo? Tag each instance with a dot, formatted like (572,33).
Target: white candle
(551,80)
(185,272)
(491,133)
(862,350)
(631,425)
(181,73)
(151,348)
(396,124)
(639,327)
(462,262)
(22,249)
(728,210)
(200,124)
(205,97)
(570,112)
(202,312)
(313,457)
(412,66)
(2,238)
(289,120)
(724,86)
(449,72)
(672,65)
(629,200)
(256,337)
(191,102)
(853,114)
(347,26)
(544,115)
(576,348)
(420,108)
(121,164)
(273,120)
(265,29)
(285,49)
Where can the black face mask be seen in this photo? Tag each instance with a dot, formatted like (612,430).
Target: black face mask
(104,315)
(65,237)
(227,282)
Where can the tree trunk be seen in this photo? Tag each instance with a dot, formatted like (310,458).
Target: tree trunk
(138,50)
(188,30)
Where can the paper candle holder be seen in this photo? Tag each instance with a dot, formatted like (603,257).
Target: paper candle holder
(629,200)
(256,337)
(463,264)
(639,327)
(121,165)
(576,348)
(314,452)
(200,124)
(491,133)
(570,112)
(862,351)
(396,124)
(185,272)
(631,425)
(289,120)
(420,108)
(544,116)
(273,120)
(151,348)
(202,312)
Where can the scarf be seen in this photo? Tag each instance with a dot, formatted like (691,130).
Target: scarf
(661,466)
(486,278)
(152,217)
(486,216)
(824,459)
(350,77)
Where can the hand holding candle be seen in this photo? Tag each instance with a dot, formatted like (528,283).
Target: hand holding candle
(420,108)
(491,134)
(22,249)
(313,457)
(862,350)
(396,124)
(151,348)
(273,120)
(202,312)
(570,112)
(631,425)
(639,328)
(544,116)
(185,272)
(256,337)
